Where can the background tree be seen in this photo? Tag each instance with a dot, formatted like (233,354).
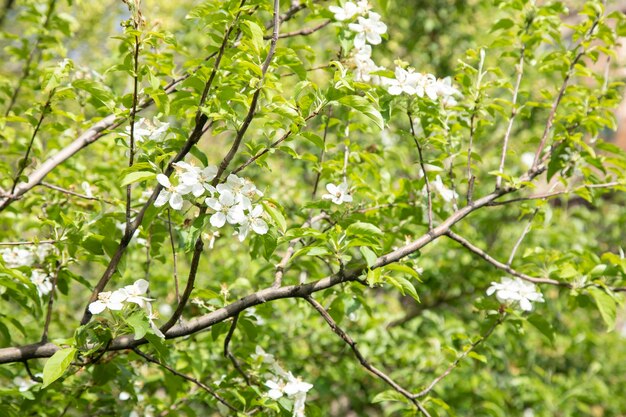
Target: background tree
(256,208)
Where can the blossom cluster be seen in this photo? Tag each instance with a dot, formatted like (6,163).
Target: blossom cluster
(116,300)
(515,291)
(283,383)
(231,201)
(368,29)
(16,257)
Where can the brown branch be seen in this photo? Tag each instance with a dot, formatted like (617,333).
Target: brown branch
(522,236)
(194,138)
(228,354)
(423,167)
(301,32)
(193,271)
(133,113)
(561,92)
(544,196)
(205,387)
(250,115)
(46,326)
(174,261)
(520,70)
(378,373)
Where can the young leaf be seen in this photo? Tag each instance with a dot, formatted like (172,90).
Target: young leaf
(56,366)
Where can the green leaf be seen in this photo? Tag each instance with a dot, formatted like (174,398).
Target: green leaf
(137,321)
(256,34)
(369,255)
(136,177)
(543,325)
(606,305)
(56,366)
(97,91)
(404,285)
(404,269)
(362,105)
(362,228)
(389,395)
(502,24)
(276,215)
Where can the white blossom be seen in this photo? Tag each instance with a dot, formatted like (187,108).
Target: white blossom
(169,193)
(135,293)
(338,194)
(516,291)
(527,159)
(265,357)
(195,179)
(86,188)
(253,220)
(41,281)
(226,209)
(438,186)
(124,396)
(406,81)
(368,30)
(151,317)
(16,257)
(345,12)
(24,384)
(107,299)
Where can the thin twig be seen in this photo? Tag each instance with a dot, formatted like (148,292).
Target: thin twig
(73,193)
(424,173)
(544,196)
(378,373)
(173,246)
(133,113)
(458,360)
(470,176)
(24,162)
(31,56)
(322,153)
(230,355)
(193,271)
(31,242)
(521,238)
(253,104)
(302,32)
(504,267)
(205,387)
(46,326)
(561,93)
(520,70)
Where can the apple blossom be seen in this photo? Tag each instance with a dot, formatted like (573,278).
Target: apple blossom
(41,281)
(516,290)
(171,194)
(107,299)
(368,30)
(338,193)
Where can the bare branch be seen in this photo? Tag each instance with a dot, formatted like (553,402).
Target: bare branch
(424,173)
(229,354)
(522,236)
(205,387)
(458,360)
(378,373)
(302,32)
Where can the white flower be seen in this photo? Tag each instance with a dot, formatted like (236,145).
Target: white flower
(516,290)
(197,180)
(277,389)
(86,188)
(253,220)
(124,396)
(337,193)
(368,30)
(446,91)
(107,299)
(364,65)
(263,355)
(243,190)
(135,293)
(226,209)
(445,193)
(406,81)
(345,12)
(24,384)
(527,159)
(170,193)
(296,386)
(16,257)
(41,281)
(151,317)
(427,84)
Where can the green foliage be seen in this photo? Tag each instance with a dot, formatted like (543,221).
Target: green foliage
(392,215)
